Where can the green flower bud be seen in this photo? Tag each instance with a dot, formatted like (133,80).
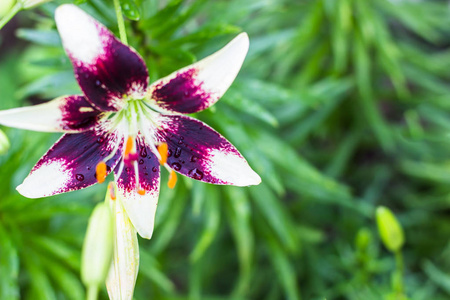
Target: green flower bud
(122,276)
(4,143)
(97,253)
(390,230)
(5,7)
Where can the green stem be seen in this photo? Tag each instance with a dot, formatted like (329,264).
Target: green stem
(92,292)
(399,270)
(16,8)
(120,22)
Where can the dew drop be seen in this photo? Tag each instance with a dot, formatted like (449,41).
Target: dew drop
(169,153)
(100,139)
(141,161)
(143,152)
(196,174)
(194,158)
(177,152)
(176,166)
(79,177)
(154,169)
(127,169)
(98,82)
(181,140)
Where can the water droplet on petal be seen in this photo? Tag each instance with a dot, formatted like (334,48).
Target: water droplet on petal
(177,152)
(154,169)
(141,161)
(100,139)
(98,82)
(176,166)
(169,153)
(79,177)
(194,158)
(196,174)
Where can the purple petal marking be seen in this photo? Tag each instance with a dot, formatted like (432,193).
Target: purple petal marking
(78,114)
(199,152)
(200,85)
(70,164)
(119,72)
(105,69)
(148,168)
(182,93)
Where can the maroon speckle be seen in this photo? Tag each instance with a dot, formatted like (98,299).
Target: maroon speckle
(79,177)
(154,169)
(196,174)
(100,140)
(143,152)
(177,152)
(176,166)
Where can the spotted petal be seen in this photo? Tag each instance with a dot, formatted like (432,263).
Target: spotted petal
(70,164)
(141,209)
(105,69)
(199,152)
(64,114)
(200,85)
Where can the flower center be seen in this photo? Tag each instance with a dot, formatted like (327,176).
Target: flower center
(133,122)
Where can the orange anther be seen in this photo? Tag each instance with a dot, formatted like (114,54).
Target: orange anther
(163,149)
(100,172)
(172,179)
(129,146)
(112,192)
(141,192)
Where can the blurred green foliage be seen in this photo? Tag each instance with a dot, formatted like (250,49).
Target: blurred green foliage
(341,106)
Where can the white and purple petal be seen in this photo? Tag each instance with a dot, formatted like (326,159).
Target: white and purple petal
(64,114)
(199,152)
(141,209)
(106,70)
(198,86)
(70,164)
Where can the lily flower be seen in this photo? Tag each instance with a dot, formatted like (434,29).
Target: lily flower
(125,125)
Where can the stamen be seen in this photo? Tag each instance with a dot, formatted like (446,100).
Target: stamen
(112,192)
(141,192)
(100,172)
(129,146)
(163,149)
(172,179)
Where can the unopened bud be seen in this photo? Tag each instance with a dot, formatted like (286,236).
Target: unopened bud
(5,7)
(122,276)
(390,230)
(4,143)
(98,247)
(26,4)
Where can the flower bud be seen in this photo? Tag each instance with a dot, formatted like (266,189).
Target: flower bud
(4,143)
(97,252)
(123,273)
(390,230)
(27,4)
(5,7)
